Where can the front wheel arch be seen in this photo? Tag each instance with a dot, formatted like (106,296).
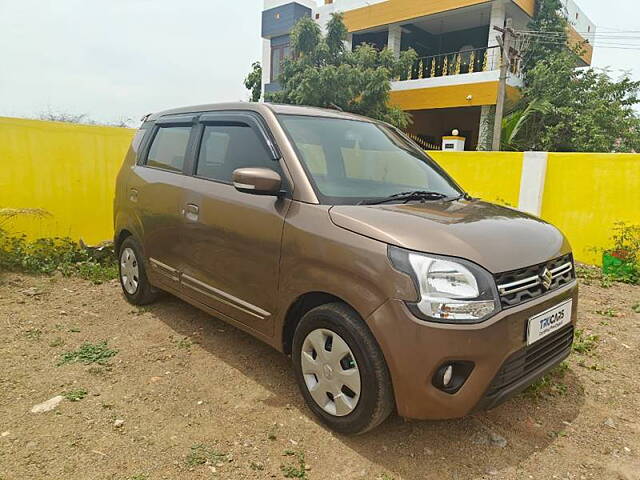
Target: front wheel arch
(298,308)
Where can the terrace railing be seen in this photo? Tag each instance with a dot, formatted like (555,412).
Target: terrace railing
(468,61)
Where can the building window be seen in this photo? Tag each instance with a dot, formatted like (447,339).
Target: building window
(278,54)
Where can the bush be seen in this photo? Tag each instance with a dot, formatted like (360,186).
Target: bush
(622,262)
(48,255)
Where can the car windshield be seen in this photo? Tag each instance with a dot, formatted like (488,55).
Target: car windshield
(351,161)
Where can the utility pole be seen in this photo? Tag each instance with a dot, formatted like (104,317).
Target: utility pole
(505,42)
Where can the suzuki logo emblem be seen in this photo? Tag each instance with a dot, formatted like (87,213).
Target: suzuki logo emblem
(546,278)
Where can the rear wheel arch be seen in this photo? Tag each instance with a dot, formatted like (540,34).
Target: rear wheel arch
(121,237)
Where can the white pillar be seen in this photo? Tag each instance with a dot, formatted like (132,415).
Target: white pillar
(266,63)
(395,39)
(534,175)
(498,19)
(348,44)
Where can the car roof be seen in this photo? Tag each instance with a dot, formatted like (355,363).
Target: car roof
(259,107)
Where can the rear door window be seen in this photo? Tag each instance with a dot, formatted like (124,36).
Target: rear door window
(169,148)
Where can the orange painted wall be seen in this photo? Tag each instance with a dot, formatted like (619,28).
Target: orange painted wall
(529,6)
(450,96)
(393,11)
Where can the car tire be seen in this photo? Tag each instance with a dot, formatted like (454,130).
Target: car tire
(132,274)
(329,343)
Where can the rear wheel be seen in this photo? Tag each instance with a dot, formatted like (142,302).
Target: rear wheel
(340,369)
(133,276)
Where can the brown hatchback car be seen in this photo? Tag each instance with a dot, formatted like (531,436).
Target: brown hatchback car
(336,240)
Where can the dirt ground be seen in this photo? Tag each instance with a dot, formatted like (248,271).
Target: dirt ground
(187,396)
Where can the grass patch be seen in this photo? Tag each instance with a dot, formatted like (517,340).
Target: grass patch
(549,385)
(94,272)
(33,334)
(298,469)
(609,312)
(49,255)
(201,454)
(585,343)
(56,342)
(88,353)
(75,395)
(588,274)
(636,308)
(606,281)
(184,343)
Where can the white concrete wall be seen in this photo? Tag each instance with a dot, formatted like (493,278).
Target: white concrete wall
(582,24)
(534,173)
(266,63)
(498,18)
(461,79)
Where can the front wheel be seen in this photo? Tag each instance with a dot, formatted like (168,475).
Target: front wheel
(340,370)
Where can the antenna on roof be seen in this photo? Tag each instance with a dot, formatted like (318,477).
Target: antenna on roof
(336,107)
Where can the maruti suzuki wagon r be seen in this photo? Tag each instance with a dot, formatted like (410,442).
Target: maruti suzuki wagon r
(336,240)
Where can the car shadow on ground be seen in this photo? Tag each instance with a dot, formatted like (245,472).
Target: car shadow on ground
(483,444)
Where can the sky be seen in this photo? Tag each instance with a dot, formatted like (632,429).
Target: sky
(120,59)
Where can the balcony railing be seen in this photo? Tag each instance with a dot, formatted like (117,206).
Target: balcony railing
(469,61)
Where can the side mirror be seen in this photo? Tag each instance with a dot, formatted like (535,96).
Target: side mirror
(258,181)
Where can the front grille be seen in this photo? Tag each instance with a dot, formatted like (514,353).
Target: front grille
(531,358)
(519,286)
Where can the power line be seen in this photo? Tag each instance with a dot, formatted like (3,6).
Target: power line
(592,32)
(605,42)
(595,35)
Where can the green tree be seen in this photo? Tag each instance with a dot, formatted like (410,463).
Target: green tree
(548,33)
(253,81)
(580,110)
(568,109)
(323,73)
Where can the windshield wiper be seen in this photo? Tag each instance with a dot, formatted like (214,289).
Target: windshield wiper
(406,197)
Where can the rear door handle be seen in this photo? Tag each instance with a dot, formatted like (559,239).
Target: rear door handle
(191,212)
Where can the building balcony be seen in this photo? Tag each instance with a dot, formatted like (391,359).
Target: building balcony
(475,60)
(467,78)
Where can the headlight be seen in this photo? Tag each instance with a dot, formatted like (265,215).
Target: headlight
(451,290)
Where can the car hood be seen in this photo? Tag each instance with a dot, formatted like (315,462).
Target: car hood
(497,238)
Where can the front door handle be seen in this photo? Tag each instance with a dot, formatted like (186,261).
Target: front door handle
(191,212)
(133,195)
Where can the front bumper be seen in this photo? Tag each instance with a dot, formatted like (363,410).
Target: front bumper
(414,350)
